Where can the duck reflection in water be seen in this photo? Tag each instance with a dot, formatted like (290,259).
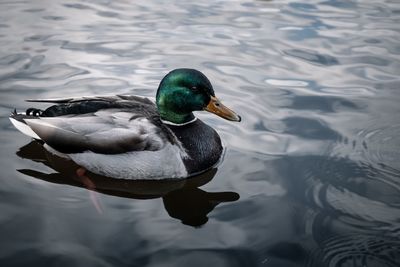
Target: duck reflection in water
(182,198)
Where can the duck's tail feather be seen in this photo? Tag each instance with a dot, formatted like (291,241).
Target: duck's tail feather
(18,120)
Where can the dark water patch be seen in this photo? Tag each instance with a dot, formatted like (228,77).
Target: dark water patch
(312,57)
(58,254)
(340,4)
(13,58)
(288,251)
(368,60)
(107,14)
(58,43)
(54,18)
(259,126)
(302,34)
(372,41)
(37,38)
(34,10)
(205,257)
(303,6)
(309,128)
(324,104)
(389,85)
(78,6)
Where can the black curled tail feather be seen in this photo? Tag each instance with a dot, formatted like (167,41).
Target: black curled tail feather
(33,112)
(29,114)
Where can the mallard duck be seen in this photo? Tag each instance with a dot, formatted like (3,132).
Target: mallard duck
(132,137)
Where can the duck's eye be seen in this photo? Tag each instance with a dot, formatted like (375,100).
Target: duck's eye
(194,89)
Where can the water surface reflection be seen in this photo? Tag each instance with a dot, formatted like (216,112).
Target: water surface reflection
(182,198)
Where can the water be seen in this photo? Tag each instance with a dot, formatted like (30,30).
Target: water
(311,176)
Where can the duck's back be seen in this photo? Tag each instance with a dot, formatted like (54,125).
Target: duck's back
(83,105)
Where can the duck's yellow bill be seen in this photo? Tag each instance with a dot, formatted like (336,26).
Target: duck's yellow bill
(215,106)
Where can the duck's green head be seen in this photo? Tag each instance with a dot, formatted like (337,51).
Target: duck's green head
(183,91)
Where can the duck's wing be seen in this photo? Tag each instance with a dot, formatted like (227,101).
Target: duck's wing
(110,98)
(107,131)
(101,124)
(82,105)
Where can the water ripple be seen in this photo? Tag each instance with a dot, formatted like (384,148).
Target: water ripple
(358,250)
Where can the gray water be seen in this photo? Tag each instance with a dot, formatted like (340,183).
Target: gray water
(311,176)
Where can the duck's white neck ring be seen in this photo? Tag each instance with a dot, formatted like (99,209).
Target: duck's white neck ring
(178,124)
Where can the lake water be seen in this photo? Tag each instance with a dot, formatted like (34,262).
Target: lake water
(311,176)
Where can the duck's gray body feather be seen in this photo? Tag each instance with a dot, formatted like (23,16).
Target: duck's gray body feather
(118,136)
